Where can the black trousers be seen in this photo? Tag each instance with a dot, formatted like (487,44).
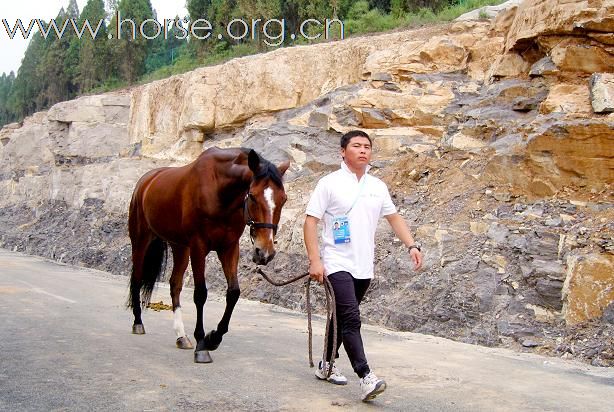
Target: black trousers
(348,295)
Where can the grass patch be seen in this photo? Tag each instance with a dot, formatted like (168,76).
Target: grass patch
(188,62)
(109,85)
(374,21)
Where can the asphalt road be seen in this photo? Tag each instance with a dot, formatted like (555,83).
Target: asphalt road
(66,344)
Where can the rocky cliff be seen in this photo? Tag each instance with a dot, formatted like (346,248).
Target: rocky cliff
(496,138)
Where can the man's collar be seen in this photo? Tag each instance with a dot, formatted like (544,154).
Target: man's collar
(345,167)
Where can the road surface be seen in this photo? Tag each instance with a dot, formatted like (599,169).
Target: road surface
(66,344)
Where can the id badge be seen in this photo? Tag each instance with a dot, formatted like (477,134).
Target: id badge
(341,229)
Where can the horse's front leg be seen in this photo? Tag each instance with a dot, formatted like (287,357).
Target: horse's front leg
(230,260)
(198,253)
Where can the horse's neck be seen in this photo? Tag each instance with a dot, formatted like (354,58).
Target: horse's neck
(233,185)
(223,178)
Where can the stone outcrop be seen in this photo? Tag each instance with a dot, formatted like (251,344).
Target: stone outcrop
(496,138)
(542,18)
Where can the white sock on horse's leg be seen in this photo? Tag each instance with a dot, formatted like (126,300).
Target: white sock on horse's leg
(178,323)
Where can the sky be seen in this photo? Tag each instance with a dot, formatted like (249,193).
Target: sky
(12,50)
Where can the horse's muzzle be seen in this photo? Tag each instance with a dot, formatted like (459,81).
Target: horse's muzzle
(262,257)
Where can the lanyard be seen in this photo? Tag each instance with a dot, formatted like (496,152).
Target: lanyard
(361,185)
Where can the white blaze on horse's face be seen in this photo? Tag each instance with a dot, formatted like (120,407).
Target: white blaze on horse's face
(268,195)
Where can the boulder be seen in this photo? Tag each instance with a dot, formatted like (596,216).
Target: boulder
(509,65)
(568,98)
(488,11)
(574,55)
(602,92)
(589,287)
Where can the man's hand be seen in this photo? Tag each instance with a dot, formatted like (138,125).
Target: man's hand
(416,257)
(316,271)
(402,231)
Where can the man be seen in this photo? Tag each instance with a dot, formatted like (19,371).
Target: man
(349,201)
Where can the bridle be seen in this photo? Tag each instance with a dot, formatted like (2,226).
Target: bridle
(250,222)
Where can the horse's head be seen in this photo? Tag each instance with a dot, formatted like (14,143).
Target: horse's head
(263,203)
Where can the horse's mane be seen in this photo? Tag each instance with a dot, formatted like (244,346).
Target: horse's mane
(267,169)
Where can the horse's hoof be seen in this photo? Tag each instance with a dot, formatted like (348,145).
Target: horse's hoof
(184,343)
(138,329)
(202,356)
(212,341)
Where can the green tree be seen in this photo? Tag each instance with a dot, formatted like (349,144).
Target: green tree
(290,12)
(71,45)
(397,8)
(316,9)
(200,9)
(382,5)
(93,53)
(358,9)
(72,11)
(54,67)
(6,86)
(263,10)
(28,84)
(111,8)
(130,50)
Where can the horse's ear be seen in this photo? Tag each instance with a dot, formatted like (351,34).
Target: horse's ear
(283,167)
(253,161)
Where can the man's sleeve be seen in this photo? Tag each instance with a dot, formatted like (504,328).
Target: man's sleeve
(318,202)
(388,208)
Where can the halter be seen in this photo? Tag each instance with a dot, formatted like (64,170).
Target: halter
(255,225)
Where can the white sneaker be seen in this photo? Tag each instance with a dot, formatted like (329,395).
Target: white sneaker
(371,386)
(335,376)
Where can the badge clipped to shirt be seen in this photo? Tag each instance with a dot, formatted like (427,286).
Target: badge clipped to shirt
(341,229)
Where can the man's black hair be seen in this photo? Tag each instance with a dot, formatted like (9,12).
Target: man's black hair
(345,139)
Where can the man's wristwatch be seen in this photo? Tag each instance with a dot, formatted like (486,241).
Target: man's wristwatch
(409,248)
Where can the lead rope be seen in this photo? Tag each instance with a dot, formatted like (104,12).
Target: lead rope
(331,315)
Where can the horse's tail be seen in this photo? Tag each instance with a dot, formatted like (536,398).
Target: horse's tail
(154,266)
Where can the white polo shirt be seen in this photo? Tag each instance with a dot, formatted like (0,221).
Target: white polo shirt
(333,196)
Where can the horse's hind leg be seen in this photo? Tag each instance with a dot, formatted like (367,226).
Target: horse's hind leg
(136,281)
(181,256)
(230,260)
(140,238)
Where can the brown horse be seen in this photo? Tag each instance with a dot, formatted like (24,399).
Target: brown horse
(202,207)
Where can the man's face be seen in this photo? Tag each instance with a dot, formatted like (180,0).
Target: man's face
(357,153)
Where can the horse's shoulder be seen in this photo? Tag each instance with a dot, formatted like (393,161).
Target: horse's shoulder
(215,158)
(147,177)
(224,151)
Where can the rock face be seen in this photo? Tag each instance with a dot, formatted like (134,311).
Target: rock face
(496,139)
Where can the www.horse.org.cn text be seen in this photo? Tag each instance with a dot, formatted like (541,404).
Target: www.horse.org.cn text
(273,31)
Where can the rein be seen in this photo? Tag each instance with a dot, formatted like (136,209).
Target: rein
(250,222)
(330,314)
